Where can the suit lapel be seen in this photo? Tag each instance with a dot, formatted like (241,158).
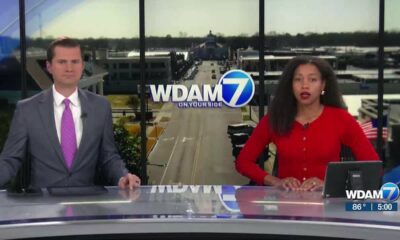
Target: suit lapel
(46,110)
(85,113)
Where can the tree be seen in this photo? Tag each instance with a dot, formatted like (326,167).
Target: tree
(128,147)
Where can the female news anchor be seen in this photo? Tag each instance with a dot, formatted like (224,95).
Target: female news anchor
(308,123)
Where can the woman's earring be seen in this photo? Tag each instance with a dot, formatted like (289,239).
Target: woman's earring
(323,92)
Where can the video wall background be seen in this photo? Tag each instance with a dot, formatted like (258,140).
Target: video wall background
(195,42)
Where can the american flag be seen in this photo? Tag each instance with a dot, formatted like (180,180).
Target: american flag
(370,129)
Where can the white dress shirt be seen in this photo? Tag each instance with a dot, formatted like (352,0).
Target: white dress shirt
(75,106)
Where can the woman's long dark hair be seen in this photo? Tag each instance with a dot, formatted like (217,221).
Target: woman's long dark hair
(283,108)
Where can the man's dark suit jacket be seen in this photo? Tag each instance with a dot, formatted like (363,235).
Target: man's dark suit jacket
(33,134)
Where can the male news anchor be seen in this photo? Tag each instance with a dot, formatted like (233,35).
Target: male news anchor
(66,131)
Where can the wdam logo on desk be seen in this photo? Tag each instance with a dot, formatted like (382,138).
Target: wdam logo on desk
(388,192)
(235,89)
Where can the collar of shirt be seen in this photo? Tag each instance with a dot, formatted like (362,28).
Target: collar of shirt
(58,98)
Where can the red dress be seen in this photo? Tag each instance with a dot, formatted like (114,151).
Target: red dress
(305,151)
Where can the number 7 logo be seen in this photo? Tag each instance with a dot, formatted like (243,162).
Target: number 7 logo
(242,94)
(390,191)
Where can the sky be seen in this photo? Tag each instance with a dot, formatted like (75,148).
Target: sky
(119,18)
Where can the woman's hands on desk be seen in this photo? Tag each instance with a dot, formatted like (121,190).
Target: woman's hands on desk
(312,184)
(293,184)
(287,184)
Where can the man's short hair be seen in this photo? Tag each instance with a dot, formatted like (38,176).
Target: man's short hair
(62,42)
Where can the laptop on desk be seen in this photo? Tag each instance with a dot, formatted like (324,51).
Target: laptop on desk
(353,175)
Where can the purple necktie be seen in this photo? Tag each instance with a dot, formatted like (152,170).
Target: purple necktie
(68,135)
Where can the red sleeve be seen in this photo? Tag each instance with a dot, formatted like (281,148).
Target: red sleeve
(246,163)
(355,138)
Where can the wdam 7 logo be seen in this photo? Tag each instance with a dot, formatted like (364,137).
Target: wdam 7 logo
(237,88)
(390,191)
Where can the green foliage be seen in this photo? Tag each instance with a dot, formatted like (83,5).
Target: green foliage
(123,120)
(128,147)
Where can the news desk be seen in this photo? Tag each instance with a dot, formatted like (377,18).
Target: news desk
(191,212)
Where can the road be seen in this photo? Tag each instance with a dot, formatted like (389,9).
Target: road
(195,148)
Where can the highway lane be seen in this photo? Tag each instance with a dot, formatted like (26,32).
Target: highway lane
(195,148)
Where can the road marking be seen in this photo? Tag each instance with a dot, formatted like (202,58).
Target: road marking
(197,153)
(168,139)
(185,139)
(169,160)
(156,145)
